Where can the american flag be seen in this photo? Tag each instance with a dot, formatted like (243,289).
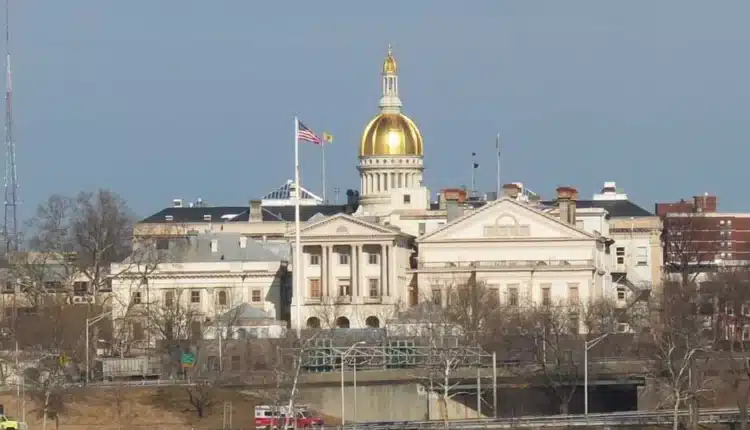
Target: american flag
(304,133)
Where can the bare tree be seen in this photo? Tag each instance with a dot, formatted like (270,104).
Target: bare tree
(732,318)
(434,325)
(690,246)
(94,229)
(681,338)
(475,309)
(329,310)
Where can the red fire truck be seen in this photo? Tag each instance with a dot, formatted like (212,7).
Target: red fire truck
(278,417)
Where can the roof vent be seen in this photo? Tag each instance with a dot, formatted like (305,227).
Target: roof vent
(177,203)
(207,217)
(169,218)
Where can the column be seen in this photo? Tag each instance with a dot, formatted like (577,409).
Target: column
(383,271)
(391,270)
(352,270)
(323,269)
(357,271)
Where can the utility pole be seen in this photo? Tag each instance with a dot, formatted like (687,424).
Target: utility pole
(10,227)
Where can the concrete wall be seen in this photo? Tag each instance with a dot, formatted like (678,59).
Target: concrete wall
(386,402)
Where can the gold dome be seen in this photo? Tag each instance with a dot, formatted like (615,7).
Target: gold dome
(389,65)
(391,134)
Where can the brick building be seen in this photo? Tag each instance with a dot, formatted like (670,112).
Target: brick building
(697,239)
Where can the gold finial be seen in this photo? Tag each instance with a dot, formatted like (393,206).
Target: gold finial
(389,65)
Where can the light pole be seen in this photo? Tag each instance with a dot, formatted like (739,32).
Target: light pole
(586,346)
(89,323)
(343,406)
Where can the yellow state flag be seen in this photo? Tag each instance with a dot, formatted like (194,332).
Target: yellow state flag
(327,137)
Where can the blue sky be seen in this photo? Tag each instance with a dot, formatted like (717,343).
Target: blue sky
(185,98)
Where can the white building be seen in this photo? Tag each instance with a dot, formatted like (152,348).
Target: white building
(199,278)
(359,263)
(353,272)
(518,250)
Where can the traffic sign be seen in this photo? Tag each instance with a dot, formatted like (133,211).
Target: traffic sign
(188,359)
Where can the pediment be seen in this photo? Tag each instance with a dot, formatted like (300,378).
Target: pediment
(505,220)
(345,225)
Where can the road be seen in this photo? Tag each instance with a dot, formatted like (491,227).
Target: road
(634,418)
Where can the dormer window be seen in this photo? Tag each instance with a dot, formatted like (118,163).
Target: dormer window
(207,217)
(169,218)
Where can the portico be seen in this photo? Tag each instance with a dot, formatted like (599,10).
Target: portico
(353,272)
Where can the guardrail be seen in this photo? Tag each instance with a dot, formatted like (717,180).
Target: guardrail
(632,418)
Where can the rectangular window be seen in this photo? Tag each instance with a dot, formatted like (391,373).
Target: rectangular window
(620,293)
(372,258)
(162,244)
(407,198)
(169,298)
(513,295)
(315,288)
(196,330)
(344,259)
(137,298)
(573,298)
(222,298)
(314,260)
(422,228)
(573,324)
(236,363)
(257,296)
(641,256)
(494,295)
(546,295)
(729,308)
(437,296)
(345,287)
(374,287)
(195,296)
(620,254)
(138,332)
(80,288)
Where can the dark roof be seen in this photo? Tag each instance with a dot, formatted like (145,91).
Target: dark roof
(242,213)
(615,208)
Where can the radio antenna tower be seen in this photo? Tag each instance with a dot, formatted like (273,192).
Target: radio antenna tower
(10,228)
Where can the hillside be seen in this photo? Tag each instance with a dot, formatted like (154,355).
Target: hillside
(134,408)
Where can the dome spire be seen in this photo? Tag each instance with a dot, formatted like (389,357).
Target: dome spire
(390,102)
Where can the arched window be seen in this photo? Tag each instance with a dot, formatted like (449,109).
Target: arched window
(342,322)
(313,322)
(372,322)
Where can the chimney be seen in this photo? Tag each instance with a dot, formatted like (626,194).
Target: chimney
(256,213)
(214,245)
(511,191)
(452,199)
(566,202)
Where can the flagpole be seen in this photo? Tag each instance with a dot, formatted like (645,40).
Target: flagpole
(297,243)
(499,185)
(324,143)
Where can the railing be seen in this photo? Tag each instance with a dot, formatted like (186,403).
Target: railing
(632,418)
(504,264)
(397,355)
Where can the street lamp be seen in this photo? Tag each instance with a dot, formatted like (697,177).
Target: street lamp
(586,346)
(89,323)
(343,359)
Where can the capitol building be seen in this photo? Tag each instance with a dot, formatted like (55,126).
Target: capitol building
(391,246)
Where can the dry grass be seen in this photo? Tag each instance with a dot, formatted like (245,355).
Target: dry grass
(153,408)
